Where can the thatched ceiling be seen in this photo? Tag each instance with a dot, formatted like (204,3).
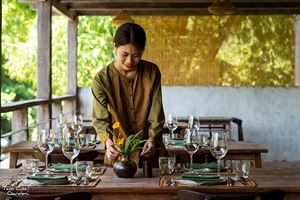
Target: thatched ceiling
(169,7)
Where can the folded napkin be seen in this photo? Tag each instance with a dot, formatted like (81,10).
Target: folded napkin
(211,165)
(200,178)
(64,167)
(177,142)
(42,179)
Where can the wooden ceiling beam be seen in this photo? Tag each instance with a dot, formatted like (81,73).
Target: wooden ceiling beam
(63,10)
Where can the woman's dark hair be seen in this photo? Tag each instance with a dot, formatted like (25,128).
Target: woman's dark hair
(130,33)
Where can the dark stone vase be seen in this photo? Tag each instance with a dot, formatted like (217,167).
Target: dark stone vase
(125,168)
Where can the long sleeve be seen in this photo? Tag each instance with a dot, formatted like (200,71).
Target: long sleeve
(100,116)
(156,115)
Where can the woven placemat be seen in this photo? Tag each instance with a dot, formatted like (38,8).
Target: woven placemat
(171,182)
(4,183)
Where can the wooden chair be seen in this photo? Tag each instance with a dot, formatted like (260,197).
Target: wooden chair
(193,195)
(63,196)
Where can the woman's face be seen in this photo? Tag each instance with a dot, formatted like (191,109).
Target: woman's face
(128,56)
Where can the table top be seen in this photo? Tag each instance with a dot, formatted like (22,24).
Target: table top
(266,179)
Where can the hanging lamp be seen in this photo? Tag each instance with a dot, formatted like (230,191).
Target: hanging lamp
(121,18)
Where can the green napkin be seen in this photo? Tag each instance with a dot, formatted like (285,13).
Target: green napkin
(211,165)
(177,142)
(42,179)
(64,167)
(199,178)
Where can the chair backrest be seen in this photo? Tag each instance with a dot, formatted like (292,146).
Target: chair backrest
(63,196)
(193,195)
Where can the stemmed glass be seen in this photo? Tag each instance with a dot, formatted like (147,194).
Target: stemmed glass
(218,146)
(70,145)
(194,122)
(77,123)
(61,120)
(166,137)
(46,141)
(191,144)
(172,125)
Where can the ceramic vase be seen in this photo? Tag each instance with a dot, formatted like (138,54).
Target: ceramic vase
(125,168)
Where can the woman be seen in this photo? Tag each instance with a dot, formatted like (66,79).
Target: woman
(128,91)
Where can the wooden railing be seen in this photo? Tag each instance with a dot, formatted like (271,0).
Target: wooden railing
(20,127)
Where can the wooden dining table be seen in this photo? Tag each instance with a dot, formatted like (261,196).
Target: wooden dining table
(237,150)
(111,187)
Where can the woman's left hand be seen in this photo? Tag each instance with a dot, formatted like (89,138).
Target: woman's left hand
(149,148)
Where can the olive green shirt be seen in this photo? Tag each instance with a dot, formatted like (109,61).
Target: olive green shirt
(136,103)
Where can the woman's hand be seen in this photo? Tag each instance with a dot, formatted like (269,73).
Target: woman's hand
(149,148)
(112,151)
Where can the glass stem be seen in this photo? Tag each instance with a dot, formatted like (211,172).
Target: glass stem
(46,163)
(172,134)
(71,172)
(218,167)
(191,162)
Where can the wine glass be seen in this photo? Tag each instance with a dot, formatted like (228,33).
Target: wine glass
(172,125)
(166,137)
(77,123)
(191,144)
(218,146)
(70,145)
(46,141)
(61,120)
(194,122)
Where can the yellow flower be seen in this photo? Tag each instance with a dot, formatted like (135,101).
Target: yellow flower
(120,141)
(116,125)
(105,137)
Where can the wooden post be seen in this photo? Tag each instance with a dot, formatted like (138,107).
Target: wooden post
(19,122)
(297,50)
(44,86)
(70,106)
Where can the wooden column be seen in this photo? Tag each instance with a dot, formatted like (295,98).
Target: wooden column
(70,106)
(19,122)
(44,86)
(297,50)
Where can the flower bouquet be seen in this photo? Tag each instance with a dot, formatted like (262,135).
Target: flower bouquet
(124,167)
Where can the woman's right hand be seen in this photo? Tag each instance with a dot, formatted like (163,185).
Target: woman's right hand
(112,151)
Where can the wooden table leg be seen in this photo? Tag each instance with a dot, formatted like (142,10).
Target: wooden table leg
(257,161)
(13,157)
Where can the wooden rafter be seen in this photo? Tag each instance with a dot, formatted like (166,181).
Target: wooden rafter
(72,8)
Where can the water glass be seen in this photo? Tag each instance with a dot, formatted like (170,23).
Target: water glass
(167,165)
(241,169)
(30,166)
(90,138)
(84,169)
